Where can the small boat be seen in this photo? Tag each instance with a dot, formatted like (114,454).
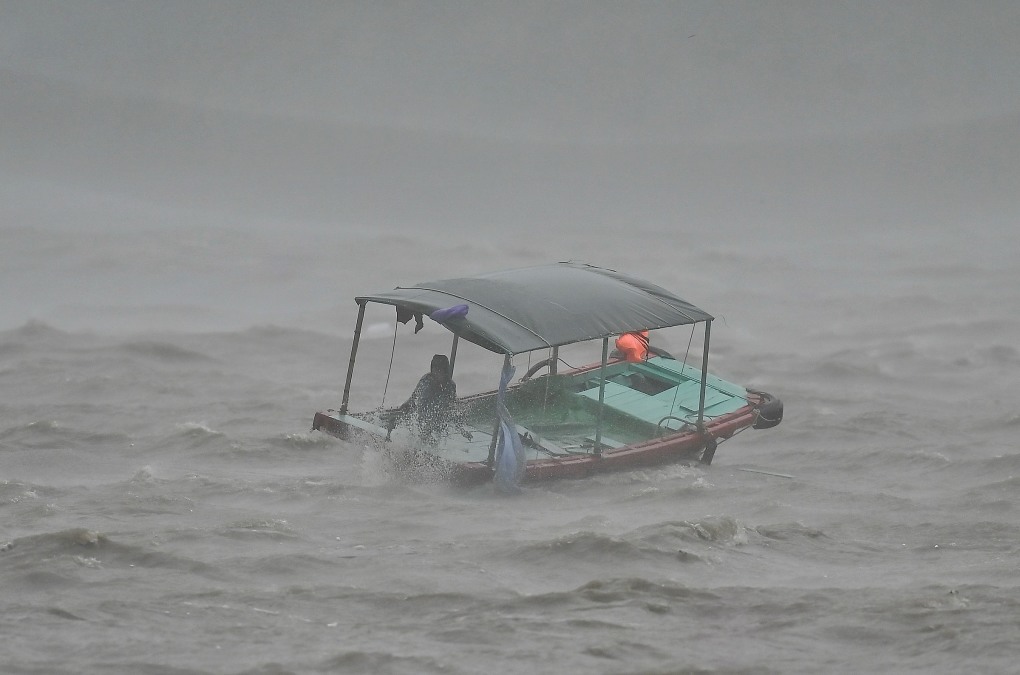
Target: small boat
(559,421)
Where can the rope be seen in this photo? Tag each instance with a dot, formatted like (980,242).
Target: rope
(560,360)
(676,390)
(721,440)
(393,350)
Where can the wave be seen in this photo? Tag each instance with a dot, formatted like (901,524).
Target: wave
(197,435)
(302,441)
(36,329)
(579,546)
(925,356)
(49,433)
(984,536)
(162,351)
(15,492)
(677,540)
(153,494)
(653,596)
(258,528)
(996,497)
(789,532)
(627,589)
(47,555)
(844,367)
(33,335)
(1006,464)
(999,355)
(369,662)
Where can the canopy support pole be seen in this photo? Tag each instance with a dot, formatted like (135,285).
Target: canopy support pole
(491,459)
(555,360)
(704,377)
(602,398)
(354,353)
(453,353)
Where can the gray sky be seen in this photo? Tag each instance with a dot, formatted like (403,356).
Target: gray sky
(431,125)
(509,115)
(566,71)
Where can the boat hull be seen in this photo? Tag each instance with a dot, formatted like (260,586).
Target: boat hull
(687,445)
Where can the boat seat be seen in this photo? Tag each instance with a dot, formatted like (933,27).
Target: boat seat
(546,445)
(606,441)
(679,402)
(691,373)
(363,425)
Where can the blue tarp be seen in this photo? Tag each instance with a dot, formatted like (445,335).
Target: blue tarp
(510,458)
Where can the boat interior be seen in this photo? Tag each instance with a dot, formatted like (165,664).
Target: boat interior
(558,414)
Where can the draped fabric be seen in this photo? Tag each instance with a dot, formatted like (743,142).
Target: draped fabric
(510,459)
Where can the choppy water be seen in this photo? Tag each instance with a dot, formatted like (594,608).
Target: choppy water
(166,508)
(177,301)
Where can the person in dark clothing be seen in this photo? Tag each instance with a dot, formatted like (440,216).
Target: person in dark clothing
(433,404)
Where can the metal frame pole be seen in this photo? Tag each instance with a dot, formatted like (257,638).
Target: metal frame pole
(602,397)
(704,376)
(354,353)
(453,353)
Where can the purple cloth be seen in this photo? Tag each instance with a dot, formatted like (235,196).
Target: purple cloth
(444,315)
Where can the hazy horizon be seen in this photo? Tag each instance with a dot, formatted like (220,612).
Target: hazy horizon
(459,123)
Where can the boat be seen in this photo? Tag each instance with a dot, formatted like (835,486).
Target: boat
(558,421)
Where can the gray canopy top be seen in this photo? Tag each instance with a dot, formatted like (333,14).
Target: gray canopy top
(521,310)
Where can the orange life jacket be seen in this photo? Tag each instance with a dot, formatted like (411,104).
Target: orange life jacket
(634,346)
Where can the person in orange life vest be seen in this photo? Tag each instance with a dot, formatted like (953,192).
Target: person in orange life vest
(634,345)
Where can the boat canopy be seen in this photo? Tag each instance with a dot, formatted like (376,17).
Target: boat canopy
(521,310)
